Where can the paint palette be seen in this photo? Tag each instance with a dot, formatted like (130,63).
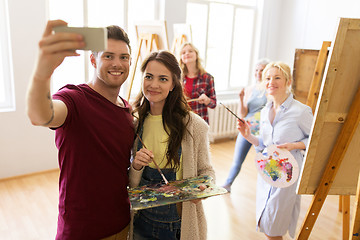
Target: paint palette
(156,195)
(277,167)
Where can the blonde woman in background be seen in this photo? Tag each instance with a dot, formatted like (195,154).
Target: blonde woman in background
(198,84)
(252,100)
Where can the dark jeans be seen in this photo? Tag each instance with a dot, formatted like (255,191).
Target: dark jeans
(162,223)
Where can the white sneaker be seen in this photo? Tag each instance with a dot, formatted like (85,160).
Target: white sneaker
(227,187)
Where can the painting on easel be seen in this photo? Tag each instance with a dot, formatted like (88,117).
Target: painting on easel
(156,195)
(151,36)
(182,34)
(154,27)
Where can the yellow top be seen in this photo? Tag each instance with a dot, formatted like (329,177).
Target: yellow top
(155,138)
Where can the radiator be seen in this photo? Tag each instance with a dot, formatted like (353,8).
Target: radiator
(222,123)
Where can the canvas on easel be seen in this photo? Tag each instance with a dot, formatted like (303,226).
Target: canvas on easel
(331,165)
(182,34)
(304,66)
(154,27)
(151,36)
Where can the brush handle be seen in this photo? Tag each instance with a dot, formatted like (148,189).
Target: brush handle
(232,113)
(193,100)
(161,173)
(157,166)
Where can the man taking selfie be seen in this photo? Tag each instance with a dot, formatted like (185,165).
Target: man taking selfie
(94,134)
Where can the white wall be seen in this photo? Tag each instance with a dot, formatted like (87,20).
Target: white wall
(288,24)
(173,12)
(303,24)
(23,147)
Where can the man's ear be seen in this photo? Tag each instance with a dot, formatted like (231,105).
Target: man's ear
(93,60)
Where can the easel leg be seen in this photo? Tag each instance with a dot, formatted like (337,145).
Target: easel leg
(133,70)
(355,229)
(346,216)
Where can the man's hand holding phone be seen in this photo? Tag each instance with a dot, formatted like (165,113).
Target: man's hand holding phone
(95,38)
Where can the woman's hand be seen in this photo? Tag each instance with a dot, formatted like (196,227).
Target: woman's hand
(244,128)
(142,158)
(292,146)
(202,187)
(203,99)
(242,94)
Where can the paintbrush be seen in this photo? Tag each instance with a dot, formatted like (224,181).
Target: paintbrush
(157,166)
(193,100)
(232,113)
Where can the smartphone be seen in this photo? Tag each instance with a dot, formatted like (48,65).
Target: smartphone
(95,38)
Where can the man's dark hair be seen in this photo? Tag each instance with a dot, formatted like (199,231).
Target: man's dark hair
(117,33)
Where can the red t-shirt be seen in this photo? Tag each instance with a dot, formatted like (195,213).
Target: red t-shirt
(188,86)
(94,155)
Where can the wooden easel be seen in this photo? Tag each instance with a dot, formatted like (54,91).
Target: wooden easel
(318,76)
(344,200)
(178,41)
(151,43)
(339,67)
(333,165)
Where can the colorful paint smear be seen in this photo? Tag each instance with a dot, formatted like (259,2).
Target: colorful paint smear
(277,167)
(159,194)
(254,122)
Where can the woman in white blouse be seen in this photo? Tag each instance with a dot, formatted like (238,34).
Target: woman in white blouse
(286,123)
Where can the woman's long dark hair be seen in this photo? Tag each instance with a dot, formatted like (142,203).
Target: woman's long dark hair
(175,109)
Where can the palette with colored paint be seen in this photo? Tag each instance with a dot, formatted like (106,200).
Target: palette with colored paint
(156,195)
(277,167)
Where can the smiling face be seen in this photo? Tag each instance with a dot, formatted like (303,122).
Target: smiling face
(276,83)
(157,83)
(112,66)
(188,55)
(258,72)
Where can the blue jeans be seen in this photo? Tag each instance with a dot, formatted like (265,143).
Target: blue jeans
(147,229)
(161,222)
(242,147)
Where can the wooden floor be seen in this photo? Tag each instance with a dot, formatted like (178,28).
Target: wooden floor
(28,205)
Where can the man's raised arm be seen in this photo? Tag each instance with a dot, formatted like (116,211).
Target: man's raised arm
(53,48)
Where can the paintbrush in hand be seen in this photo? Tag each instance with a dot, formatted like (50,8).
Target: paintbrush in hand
(157,166)
(193,100)
(232,113)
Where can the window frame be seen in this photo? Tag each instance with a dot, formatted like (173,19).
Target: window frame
(253,51)
(7,75)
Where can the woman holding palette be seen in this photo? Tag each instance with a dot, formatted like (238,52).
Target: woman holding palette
(286,123)
(176,140)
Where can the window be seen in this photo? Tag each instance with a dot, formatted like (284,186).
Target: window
(7,95)
(139,11)
(92,13)
(224,31)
